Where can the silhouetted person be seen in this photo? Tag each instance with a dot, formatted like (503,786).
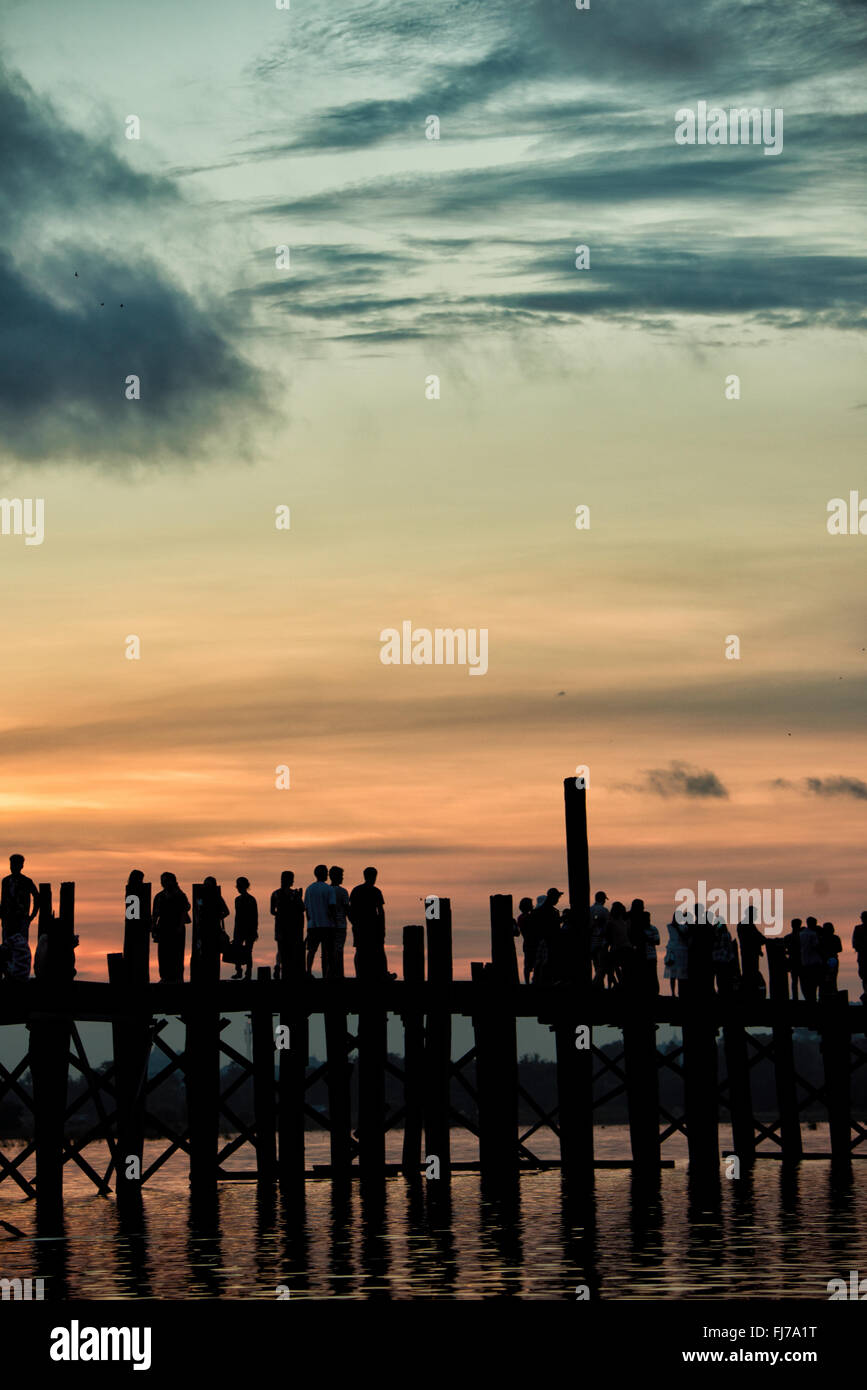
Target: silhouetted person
(599,915)
(651,941)
(633,959)
(334,942)
(859,946)
(246,929)
(287,909)
(700,943)
(793,954)
(619,943)
(171,912)
(752,947)
(367,915)
(527,929)
(16,894)
(811,960)
(830,947)
(677,952)
(725,958)
(208,936)
(547,969)
(319,905)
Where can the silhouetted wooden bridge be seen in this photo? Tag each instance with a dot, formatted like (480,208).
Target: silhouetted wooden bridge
(426,999)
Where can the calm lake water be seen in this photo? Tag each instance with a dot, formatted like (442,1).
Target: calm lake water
(774,1234)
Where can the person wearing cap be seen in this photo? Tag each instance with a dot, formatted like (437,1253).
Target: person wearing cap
(548,926)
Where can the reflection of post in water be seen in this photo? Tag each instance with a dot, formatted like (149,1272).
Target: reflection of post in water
(51,1257)
(646,1217)
(374,1251)
(294,1257)
(704,1248)
(132,1239)
(442,1256)
(579,1236)
(204,1255)
(500,1220)
(340,1240)
(264,1252)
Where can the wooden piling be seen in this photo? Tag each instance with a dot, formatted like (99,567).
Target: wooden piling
(578,869)
(136,935)
(496,1051)
(784,1058)
(413,1054)
(642,1086)
(292,1071)
(338,1079)
(700,1066)
(438,1037)
(738,1079)
(575,1098)
(264,1107)
(202,1052)
(372,1050)
(834,1030)
(49,1062)
(131,1043)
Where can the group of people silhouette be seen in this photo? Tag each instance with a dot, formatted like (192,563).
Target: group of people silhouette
(622,944)
(326,907)
(623,950)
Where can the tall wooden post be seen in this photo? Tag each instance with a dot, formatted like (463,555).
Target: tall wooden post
(573,1031)
(784,1059)
(293,1067)
(438,1037)
(49,1063)
(578,868)
(497,1052)
(413,1053)
(261,1020)
(136,936)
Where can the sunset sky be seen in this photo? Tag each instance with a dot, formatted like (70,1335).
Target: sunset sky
(305,387)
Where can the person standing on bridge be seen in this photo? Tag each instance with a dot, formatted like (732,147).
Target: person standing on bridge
(169,918)
(16,893)
(287,909)
(752,947)
(367,915)
(246,928)
(319,903)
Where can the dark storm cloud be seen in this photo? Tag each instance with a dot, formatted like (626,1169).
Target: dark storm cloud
(838,786)
(594,103)
(681,780)
(66,344)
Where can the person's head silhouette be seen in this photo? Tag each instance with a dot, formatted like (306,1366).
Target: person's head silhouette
(287,878)
(16,863)
(370,875)
(242,884)
(168,880)
(320,873)
(335,873)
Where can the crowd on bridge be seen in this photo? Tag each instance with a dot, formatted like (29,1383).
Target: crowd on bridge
(622,944)
(624,950)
